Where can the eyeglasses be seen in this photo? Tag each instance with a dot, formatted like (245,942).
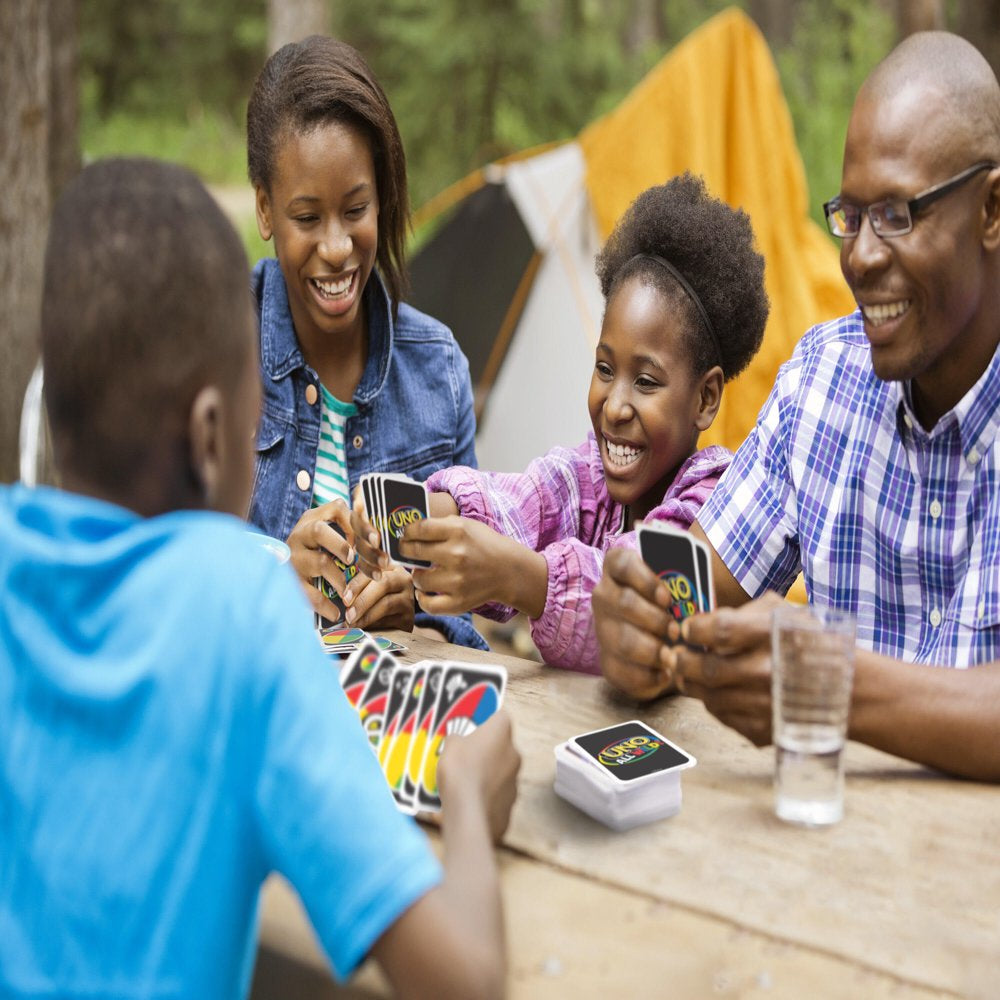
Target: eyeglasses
(894,216)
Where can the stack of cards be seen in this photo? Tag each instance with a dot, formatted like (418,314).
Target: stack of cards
(408,710)
(391,503)
(343,640)
(682,562)
(623,776)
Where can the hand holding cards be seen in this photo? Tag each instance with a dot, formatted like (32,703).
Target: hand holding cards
(682,562)
(622,776)
(409,710)
(391,503)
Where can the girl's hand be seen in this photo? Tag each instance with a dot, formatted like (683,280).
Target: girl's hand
(315,545)
(473,565)
(383,603)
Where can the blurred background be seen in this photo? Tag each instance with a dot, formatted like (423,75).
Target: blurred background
(469,80)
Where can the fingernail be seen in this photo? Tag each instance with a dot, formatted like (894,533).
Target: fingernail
(373,539)
(348,597)
(351,615)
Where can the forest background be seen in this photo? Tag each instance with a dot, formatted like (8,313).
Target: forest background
(469,81)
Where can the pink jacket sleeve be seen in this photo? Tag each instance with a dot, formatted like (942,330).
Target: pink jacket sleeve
(564,633)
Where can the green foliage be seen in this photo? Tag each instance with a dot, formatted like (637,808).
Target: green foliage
(469,80)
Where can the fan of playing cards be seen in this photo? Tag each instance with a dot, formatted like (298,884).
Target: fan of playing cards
(681,561)
(391,503)
(408,710)
(623,775)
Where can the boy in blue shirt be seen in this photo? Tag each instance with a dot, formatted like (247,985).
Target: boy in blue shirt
(170,731)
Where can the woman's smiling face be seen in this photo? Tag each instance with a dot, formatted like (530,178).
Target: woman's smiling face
(322,211)
(645,402)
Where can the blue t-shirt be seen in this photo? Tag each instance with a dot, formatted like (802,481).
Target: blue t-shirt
(171,732)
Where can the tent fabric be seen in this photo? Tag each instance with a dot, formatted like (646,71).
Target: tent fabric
(714,106)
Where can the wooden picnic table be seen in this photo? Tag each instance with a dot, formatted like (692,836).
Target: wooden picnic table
(900,899)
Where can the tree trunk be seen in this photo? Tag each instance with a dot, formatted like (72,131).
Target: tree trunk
(293,20)
(980,23)
(25,75)
(775,19)
(39,153)
(919,15)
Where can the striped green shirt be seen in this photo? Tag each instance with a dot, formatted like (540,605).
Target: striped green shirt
(330,481)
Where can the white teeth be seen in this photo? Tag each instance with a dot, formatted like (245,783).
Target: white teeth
(885,311)
(621,454)
(334,288)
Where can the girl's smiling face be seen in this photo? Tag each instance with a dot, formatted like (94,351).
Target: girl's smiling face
(322,211)
(646,405)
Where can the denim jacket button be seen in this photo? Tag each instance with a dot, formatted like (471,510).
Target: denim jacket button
(358,441)
(311,394)
(303,480)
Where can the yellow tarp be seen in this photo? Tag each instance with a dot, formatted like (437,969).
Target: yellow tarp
(714,106)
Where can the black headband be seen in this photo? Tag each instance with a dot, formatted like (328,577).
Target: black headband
(691,294)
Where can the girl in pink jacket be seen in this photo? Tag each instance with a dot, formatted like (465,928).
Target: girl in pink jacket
(685,309)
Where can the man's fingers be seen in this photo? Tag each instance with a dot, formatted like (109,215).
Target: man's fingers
(626,568)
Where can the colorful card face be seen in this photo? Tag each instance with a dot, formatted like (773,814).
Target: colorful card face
(674,556)
(343,640)
(356,672)
(469,694)
(422,728)
(374,699)
(631,751)
(395,746)
(408,711)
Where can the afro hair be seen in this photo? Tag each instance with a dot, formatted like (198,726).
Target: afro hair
(712,246)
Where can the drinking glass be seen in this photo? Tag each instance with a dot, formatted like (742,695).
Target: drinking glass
(813,667)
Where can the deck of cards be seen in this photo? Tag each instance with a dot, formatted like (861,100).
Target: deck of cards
(408,710)
(622,776)
(682,562)
(391,503)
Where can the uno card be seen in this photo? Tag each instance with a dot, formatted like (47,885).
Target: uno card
(374,699)
(398,690)
(323,585)
(343,639)
(368,483)
(422,723)
(630,751)
(404,501)
(355,673)
(671,556)
(704,563)
(469,694)
(395,746)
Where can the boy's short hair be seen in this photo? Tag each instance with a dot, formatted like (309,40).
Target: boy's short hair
(146,299)
(712,246)
(322,81)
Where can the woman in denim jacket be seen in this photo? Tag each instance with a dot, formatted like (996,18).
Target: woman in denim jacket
(355,380)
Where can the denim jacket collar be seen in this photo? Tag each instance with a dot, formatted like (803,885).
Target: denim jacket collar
(280,353)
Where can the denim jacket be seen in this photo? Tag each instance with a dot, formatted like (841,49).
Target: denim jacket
(414,411)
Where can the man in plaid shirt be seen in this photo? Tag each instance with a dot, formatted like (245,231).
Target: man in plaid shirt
(873,468)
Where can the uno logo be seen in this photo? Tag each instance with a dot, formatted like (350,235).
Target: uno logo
(398,519)
(628,751)
(682,593)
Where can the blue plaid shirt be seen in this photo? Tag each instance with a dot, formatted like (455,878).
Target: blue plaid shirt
(896,524)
